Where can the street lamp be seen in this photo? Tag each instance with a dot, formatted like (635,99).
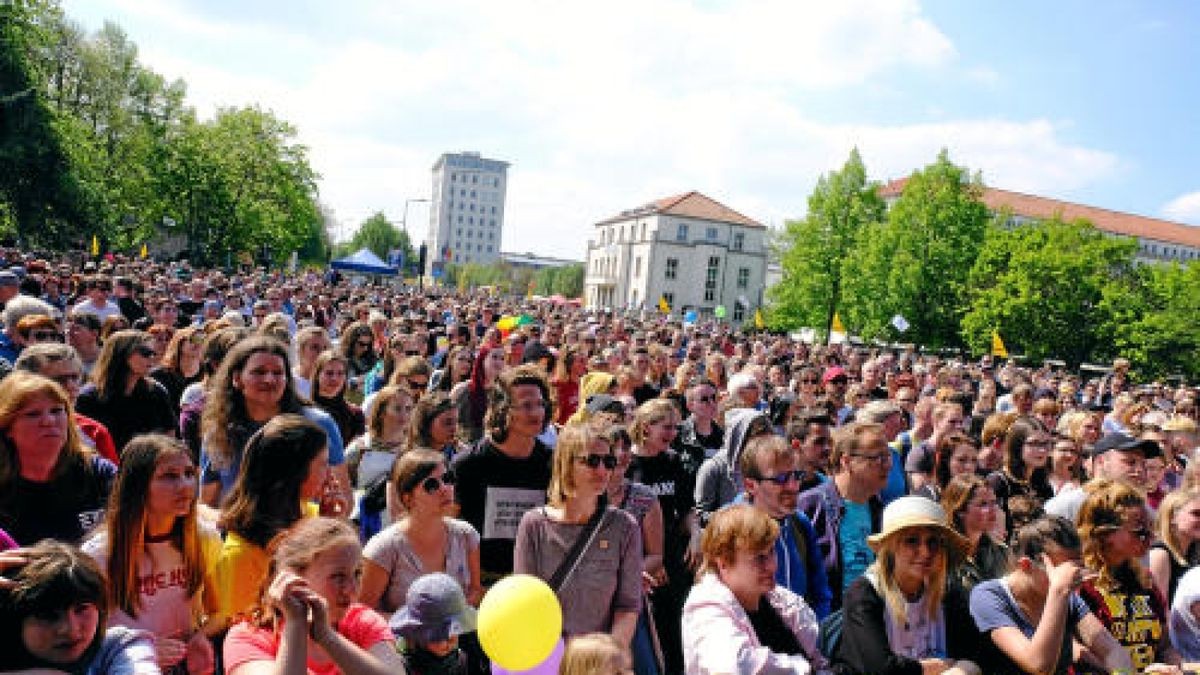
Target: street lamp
(404,219)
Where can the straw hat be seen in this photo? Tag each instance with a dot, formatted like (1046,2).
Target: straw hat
(913,511)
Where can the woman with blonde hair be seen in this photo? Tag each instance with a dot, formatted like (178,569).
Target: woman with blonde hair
(52,486)
(1175,551)
(737,619)
(151,532)
(1114,526)
(598,584)
(592,383)
(900,616)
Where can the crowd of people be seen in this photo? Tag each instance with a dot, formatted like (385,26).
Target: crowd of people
(260,472)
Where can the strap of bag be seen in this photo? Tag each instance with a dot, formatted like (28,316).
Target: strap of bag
(571,560)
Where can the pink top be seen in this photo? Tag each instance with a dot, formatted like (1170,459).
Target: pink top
(247,642)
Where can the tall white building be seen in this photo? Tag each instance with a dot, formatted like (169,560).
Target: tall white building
(466,215)
(689,250)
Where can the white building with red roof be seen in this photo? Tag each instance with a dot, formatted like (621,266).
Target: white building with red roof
(689,250)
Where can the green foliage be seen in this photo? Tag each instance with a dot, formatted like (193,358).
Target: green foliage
(1154,320)
(566,281)
(100,145)
(812,251)
(381,236)
(917,264)
(1042,286)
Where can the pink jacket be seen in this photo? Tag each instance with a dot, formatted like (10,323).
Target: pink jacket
(718,637)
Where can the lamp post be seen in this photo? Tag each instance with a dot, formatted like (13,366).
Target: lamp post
(404,227)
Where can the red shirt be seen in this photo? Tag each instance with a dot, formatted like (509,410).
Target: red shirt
(247,642)
(98,434)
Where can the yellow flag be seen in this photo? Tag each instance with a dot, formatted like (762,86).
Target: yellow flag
(836,325)
(95,245)
(663,306)
(758,320)
(998,348)
(145,252)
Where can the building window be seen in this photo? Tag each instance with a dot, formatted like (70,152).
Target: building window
(643,237)
(672,268)
(739,312)
(710,279)
(637,266)
(472,194)
(459,232)
(453,177)
(493,221)
(711,234)
(460,218)
(681,234)
(739,241)
(495,182)
(670,298)
(743,280)
(462,192)
(475,178)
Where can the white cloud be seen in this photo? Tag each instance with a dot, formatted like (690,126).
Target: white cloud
(599,107)
(1184,208)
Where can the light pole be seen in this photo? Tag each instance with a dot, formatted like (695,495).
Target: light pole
(404,218)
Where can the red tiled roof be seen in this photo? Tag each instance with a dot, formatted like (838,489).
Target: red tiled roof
(690,205)
(1042,208)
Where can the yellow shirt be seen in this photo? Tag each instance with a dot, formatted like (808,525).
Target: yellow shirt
(241,571)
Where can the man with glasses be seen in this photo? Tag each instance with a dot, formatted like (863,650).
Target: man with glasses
(772,478)
(846,509)
(1117,456)
(98,288)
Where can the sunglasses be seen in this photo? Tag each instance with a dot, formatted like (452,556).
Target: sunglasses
(47,336)
(433,483)
(913,541)
(786,477)
(594,461)
(418,384)
(145,351)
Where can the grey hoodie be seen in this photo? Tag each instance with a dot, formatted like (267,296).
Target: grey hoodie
(719,479)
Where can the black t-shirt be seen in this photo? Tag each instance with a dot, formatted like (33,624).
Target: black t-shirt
(148,409)
(493,492)
(772,632)
(66,508)
(664,473)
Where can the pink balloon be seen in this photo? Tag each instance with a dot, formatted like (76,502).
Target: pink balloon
(547,667)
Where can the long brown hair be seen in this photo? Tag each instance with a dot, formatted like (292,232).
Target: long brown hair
(1101,515)
(266,497)
(112,366)
(227,406)
(125,522)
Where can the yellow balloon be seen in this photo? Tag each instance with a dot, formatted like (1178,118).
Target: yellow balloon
(519,622)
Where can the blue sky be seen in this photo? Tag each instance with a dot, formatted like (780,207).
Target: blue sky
(602,107)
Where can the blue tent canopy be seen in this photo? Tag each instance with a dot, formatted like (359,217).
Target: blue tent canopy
(365,262)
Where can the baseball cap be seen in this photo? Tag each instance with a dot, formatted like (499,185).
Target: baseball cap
(1123,442)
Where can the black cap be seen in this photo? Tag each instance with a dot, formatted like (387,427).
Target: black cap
(1123,442)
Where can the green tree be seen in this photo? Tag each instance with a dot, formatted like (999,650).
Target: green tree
(38,194)
(919,261)
(812,251)
(1042,286)
(1153,319)
(381,236)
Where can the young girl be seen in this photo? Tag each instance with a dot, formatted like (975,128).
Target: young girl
(329,394)
(1031,615)
(283,470)
(53,612)
(155,555)
(307,619)
(956,454)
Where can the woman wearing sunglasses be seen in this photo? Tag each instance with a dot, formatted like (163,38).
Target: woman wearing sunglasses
(1114,526)
(600,586)
(121,396)
(900,616)
(424,540)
